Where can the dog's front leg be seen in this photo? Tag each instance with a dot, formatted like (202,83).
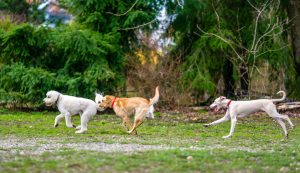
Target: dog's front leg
(68,121)
(233,122)
(223,119)
(126,123)
(58,119)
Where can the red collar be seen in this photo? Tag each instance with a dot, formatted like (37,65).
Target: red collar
(229,103)
(113,102)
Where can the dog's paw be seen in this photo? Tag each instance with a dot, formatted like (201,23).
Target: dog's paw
(80,131)
(206,125)
(78,127)
(55,125)
(131,132)
(225,137)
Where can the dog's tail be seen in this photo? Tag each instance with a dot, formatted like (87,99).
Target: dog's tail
(156,97)
(283,97)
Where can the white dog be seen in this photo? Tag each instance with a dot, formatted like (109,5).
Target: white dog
(243,108)
(99,98)
(69,106)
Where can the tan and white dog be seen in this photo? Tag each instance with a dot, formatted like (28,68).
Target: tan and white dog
(69,106)
(243,108)
(125,107)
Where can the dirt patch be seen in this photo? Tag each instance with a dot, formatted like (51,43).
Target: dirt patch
(38,146)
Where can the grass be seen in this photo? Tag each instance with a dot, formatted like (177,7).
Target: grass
(257,145)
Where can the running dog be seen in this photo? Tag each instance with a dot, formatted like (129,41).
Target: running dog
(99,97)
(125,107)
(243,108)
(69,106)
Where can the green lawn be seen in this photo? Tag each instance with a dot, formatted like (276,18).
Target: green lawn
(257,145)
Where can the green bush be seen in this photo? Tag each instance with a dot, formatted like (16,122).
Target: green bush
(71,60)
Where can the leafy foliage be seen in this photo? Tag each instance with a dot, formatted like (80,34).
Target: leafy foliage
(76,59)
(72,61)
(209,35)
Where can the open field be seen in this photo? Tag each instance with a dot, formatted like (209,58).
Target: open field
(29,143)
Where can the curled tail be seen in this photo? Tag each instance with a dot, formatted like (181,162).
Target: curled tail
(155,98)
(283,97)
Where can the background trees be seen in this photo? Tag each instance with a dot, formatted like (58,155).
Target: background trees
(227,46)
(76,59)
(208,48)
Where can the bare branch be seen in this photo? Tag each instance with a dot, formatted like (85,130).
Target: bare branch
(138,26)
(179,4)
(256,9)
(272,50)
(224,40)
(260,71)
(218,17)
(125,12)
(274,27)
(256,22)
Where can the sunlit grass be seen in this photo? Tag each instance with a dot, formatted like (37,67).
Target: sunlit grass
(257,145)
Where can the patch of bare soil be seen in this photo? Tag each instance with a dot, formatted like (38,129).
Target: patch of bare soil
(36,146)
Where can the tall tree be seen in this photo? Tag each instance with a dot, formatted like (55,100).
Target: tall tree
(247,33)
(294,14)
(202,57)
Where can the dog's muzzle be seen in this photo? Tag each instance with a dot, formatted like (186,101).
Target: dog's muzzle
(48,104)
(101,108)
(214,108)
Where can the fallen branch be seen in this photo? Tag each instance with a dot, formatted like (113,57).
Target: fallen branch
(289,106)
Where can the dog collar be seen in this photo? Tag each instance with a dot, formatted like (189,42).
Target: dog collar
(57,99)
(229,103)
(113,102)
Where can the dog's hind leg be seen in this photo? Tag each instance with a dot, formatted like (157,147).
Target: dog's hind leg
(84,119)
(272,112)
(58,119)
(138,119)
(282,124)
(285,117)
(136,124)
(128,125)
(221,120)
(79,127)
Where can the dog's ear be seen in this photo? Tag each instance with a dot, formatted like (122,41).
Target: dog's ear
(107,98)
(222,98)
(97,92)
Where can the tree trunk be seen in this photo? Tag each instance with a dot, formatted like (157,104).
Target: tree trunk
(244,79)
(228,79)
(294,15)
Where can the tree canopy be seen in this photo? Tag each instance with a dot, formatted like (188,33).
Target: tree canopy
(217,47)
